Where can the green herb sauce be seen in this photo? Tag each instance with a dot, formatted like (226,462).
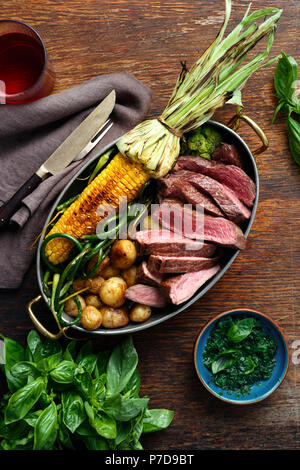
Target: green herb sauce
(239,354)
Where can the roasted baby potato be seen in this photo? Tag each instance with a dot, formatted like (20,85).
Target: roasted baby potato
(114,317)
(110,271)
(80,284)
(112,292)
(91,318)
(95,284)
(123,254)
(102,266)
(129,275)
(71,307)
(93,301)
(140,313)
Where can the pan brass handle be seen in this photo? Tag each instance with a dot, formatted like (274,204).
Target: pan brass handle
(234,124)
(41,329)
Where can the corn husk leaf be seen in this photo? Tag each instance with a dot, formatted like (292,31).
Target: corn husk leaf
(215,79)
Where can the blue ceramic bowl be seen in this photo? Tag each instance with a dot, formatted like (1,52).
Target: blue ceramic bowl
(258,391)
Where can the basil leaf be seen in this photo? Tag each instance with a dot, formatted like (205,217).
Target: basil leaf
(63,433)
(45,429)
(102,362)
(251,366)
(64,372)
(95,443)
(23,400)
(121,365)
(240,330)
(24,369)
(105,425)
(294,138)
(123,431)
(157,419)
(222,363)
(31,418)
(84,351)
(69,354)
(13,430)
(123,408)
(89,362)
(99,388)
(83,382)
(286,73)
(13,353)
(73,410)
(34,345)
(50,347)
(49,363)
(133,385)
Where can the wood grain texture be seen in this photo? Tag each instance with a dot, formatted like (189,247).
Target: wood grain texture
(149,39)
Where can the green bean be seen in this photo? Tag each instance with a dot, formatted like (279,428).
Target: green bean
(45,285)
(63,206)
(78,317)
(91,272)
(101,162)
(70,268)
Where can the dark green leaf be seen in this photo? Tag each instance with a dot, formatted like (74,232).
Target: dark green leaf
(222,363)
(64,372)
(105,425)
(13,430)
(51,347)
(157,419)
(286,74)
(121,365)
(123,408)
(99,388)
(85,429)
(89,362)
(49,363)
(102,362)
(95,443)
(13,353)
(240,330)
(45,429)
(31,418)
(133,385)
(294,138)
(23,400)
(23,370)
(34,345)
(63,433)
(83,382)
(251,366)
(73,410)
(84,351)
(70,352)
(123,431)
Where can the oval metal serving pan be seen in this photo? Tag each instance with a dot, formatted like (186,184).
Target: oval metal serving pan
(161,315)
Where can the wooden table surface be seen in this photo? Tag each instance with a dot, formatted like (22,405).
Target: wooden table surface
(149,39)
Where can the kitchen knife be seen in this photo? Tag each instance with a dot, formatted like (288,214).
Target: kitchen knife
(76,146)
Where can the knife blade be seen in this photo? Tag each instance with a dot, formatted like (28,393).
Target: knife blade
(76,146)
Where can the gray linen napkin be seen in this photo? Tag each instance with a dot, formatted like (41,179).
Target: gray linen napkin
(29,133)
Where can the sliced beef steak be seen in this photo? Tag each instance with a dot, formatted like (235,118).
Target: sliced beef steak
(181,288)
(172,214)
(147,275)
(230,204)
(171,186)
(228,154)
(164,242)
(179,264)
(230,175)
(146,295)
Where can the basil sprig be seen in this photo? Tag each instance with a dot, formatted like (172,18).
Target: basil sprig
(60,399)
(287,92)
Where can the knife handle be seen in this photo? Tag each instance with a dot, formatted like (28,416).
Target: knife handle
(9,208)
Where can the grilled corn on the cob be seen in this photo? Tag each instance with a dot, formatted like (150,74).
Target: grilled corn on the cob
(121,178)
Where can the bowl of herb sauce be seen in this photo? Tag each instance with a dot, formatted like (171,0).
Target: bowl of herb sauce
(241,356)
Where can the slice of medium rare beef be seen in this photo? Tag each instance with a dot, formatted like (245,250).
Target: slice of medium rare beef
(170,186)
(165,242)
(148,276)
(174,215)
(181,288)
(230,204)
(230,175)
(228,154)
(179,264)
(146,295)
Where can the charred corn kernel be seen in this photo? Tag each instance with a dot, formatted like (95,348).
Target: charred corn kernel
(121,178)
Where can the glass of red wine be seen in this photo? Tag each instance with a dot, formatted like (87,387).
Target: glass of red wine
(25,71)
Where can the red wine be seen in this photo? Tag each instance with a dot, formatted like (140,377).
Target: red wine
(21,62)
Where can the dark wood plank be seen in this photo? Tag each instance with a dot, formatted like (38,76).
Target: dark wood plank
(149,39)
